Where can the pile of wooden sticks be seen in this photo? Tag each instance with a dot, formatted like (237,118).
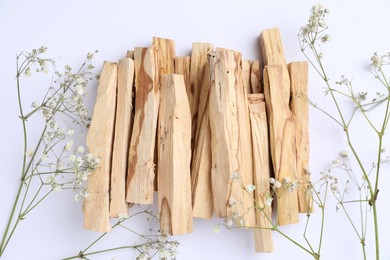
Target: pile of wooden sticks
(203,131)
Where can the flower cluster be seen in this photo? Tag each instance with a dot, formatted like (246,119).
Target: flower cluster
(313,31)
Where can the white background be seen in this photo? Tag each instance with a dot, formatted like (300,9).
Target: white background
(72,28)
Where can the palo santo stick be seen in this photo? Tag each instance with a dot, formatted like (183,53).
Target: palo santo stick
(198,62)
(245,142)
(300,109)
(261,172)
(272,48)
(166,54)
(182,67)
(130,54)
(277,97)
(174,186)
(202,197)
(224,128)
(123,120)
(246,75)
(140,176)
(287,194)
(99,142)
(256,84)
(227,174)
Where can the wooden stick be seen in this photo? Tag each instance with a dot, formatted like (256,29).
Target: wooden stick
(277,97)
(99,142)
(256,82)
(130,54)
(227,173)
(287,195)
(122,135)
(272,48)
(246,75)
(166,53)
(140,176)
(174,186)
(182,66)
(300,109)
(198,62)
(202,197)
(261,172)
(245,145)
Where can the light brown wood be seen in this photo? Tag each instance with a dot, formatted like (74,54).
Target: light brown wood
(300,109)
(229,197)
(261,172)
(122,136)
(182,67)
(246,75)
(99,142)
(140,176)
(198,62)
(202,197)
(272,48)
(166,54)
(288,198)
(277,97)
(130,54)
(174,185)
(256,75)
(245,145)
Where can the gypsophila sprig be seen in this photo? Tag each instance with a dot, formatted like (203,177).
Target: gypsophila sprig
(366,180)
(149,244)
(54,164)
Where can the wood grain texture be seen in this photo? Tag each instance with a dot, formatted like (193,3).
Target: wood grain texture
(122,136)
(166,54)
(246,75)
(174,186)
(182,67)
(226,93)
(287,196)
(198,62)
(277,97)
(140,176)
(99,142)
(256,78)
(202,197)
(300,109)
(261,172)
(272,48)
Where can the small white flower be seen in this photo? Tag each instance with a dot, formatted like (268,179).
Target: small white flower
(344,154)
(80,149)
(80,81)
(72,157)
(217,229)
(35,105)
(277,184)
(231,202)
(271,180)
(29,153)
(229,222)
(80,90)
(70,132)
(268,201)
(68,145)
(250,188)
